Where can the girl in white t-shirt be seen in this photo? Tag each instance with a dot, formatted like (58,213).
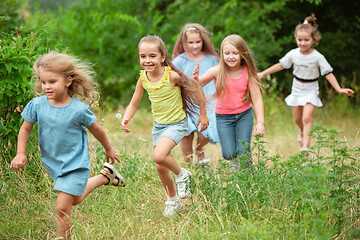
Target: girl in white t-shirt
(306,62)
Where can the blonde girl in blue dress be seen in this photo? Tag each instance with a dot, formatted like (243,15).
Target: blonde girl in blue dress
(63,142)
(194,46)
(307,65)
(171,94)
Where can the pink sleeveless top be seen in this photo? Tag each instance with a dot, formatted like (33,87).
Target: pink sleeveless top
(231,102)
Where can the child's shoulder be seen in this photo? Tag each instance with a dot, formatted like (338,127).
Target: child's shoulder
(173,74)
(79,103)
(181,58)
(38,100)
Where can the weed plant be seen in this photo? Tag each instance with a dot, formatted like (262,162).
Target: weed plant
(303,196)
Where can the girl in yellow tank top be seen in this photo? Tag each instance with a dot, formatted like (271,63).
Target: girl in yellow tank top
(172,95)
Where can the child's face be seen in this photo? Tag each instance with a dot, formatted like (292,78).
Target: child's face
(194,44)
(231,55)
(150,56)
(305,41)
(54,85)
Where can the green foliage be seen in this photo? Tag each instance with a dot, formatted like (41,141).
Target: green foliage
(107,32)
(313,195)
(104,33)
(10,16)
(18,52)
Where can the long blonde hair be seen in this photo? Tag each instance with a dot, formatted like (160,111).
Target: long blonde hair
(82,86)
(207,47)
(189,86)
(246,60)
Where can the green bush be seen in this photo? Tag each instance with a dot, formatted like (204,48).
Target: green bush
(18,52)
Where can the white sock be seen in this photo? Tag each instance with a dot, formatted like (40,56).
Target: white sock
(176,197)
(181,173)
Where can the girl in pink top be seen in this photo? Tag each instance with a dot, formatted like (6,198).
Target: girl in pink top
(237,92)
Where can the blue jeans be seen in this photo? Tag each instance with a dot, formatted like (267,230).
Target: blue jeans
(234,130)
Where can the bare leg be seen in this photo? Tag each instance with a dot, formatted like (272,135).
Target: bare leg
(165,163)
(166,180)
(65,201)
(200,143)
(92,184)
(307,123)
(298,117)
(63,206)
(187,148)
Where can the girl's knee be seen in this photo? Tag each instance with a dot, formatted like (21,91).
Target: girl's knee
(158,158)
(307,119)
(62,210)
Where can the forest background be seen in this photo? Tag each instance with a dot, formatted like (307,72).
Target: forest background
(315,201)
(106,33)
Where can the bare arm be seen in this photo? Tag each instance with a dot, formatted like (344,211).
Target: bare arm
(258,107)
(24,133)
(100,135)
(334,83)
(209,75)
(133,105)
(203,119)
(273,69)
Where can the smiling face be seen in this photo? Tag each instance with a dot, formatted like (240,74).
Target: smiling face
(305,41)
(194,44)
(231,55)
(55,86)
(150,57)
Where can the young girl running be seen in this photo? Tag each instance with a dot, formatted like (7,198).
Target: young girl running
(237,90)
(306,62)
(171,92)
(62,138)
(194,46)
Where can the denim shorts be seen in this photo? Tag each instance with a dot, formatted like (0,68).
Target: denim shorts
(175,131)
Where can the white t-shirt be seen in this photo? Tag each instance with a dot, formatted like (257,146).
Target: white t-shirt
(306,66)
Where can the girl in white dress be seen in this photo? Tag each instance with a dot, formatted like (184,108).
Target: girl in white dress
(306,62)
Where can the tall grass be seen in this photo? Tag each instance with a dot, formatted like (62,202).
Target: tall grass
(283,195)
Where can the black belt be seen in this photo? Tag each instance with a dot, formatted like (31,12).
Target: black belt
(305,80)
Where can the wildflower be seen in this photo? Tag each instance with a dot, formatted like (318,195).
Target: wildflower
(118,115)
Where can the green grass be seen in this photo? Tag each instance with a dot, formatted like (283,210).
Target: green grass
(285,195)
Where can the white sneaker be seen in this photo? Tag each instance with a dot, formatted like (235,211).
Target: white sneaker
(183,183)
(172,207)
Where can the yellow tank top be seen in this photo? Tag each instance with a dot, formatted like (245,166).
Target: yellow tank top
(166,102)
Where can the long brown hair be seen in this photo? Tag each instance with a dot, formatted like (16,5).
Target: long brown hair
(310,25)
(189,86)
(82,86)
(246,60)
(207,47)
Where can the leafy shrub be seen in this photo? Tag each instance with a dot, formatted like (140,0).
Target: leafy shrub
(18,52)
(317,192)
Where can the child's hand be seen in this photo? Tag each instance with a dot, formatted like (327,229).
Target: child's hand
(346,91)
(124,124)
(204,121)
(260,75)
(18,161)
(111,154)
(196,72)
(259,129)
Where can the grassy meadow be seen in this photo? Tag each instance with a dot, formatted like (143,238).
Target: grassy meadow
(284,195)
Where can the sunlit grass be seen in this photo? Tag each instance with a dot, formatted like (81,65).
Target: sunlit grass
(272,201)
